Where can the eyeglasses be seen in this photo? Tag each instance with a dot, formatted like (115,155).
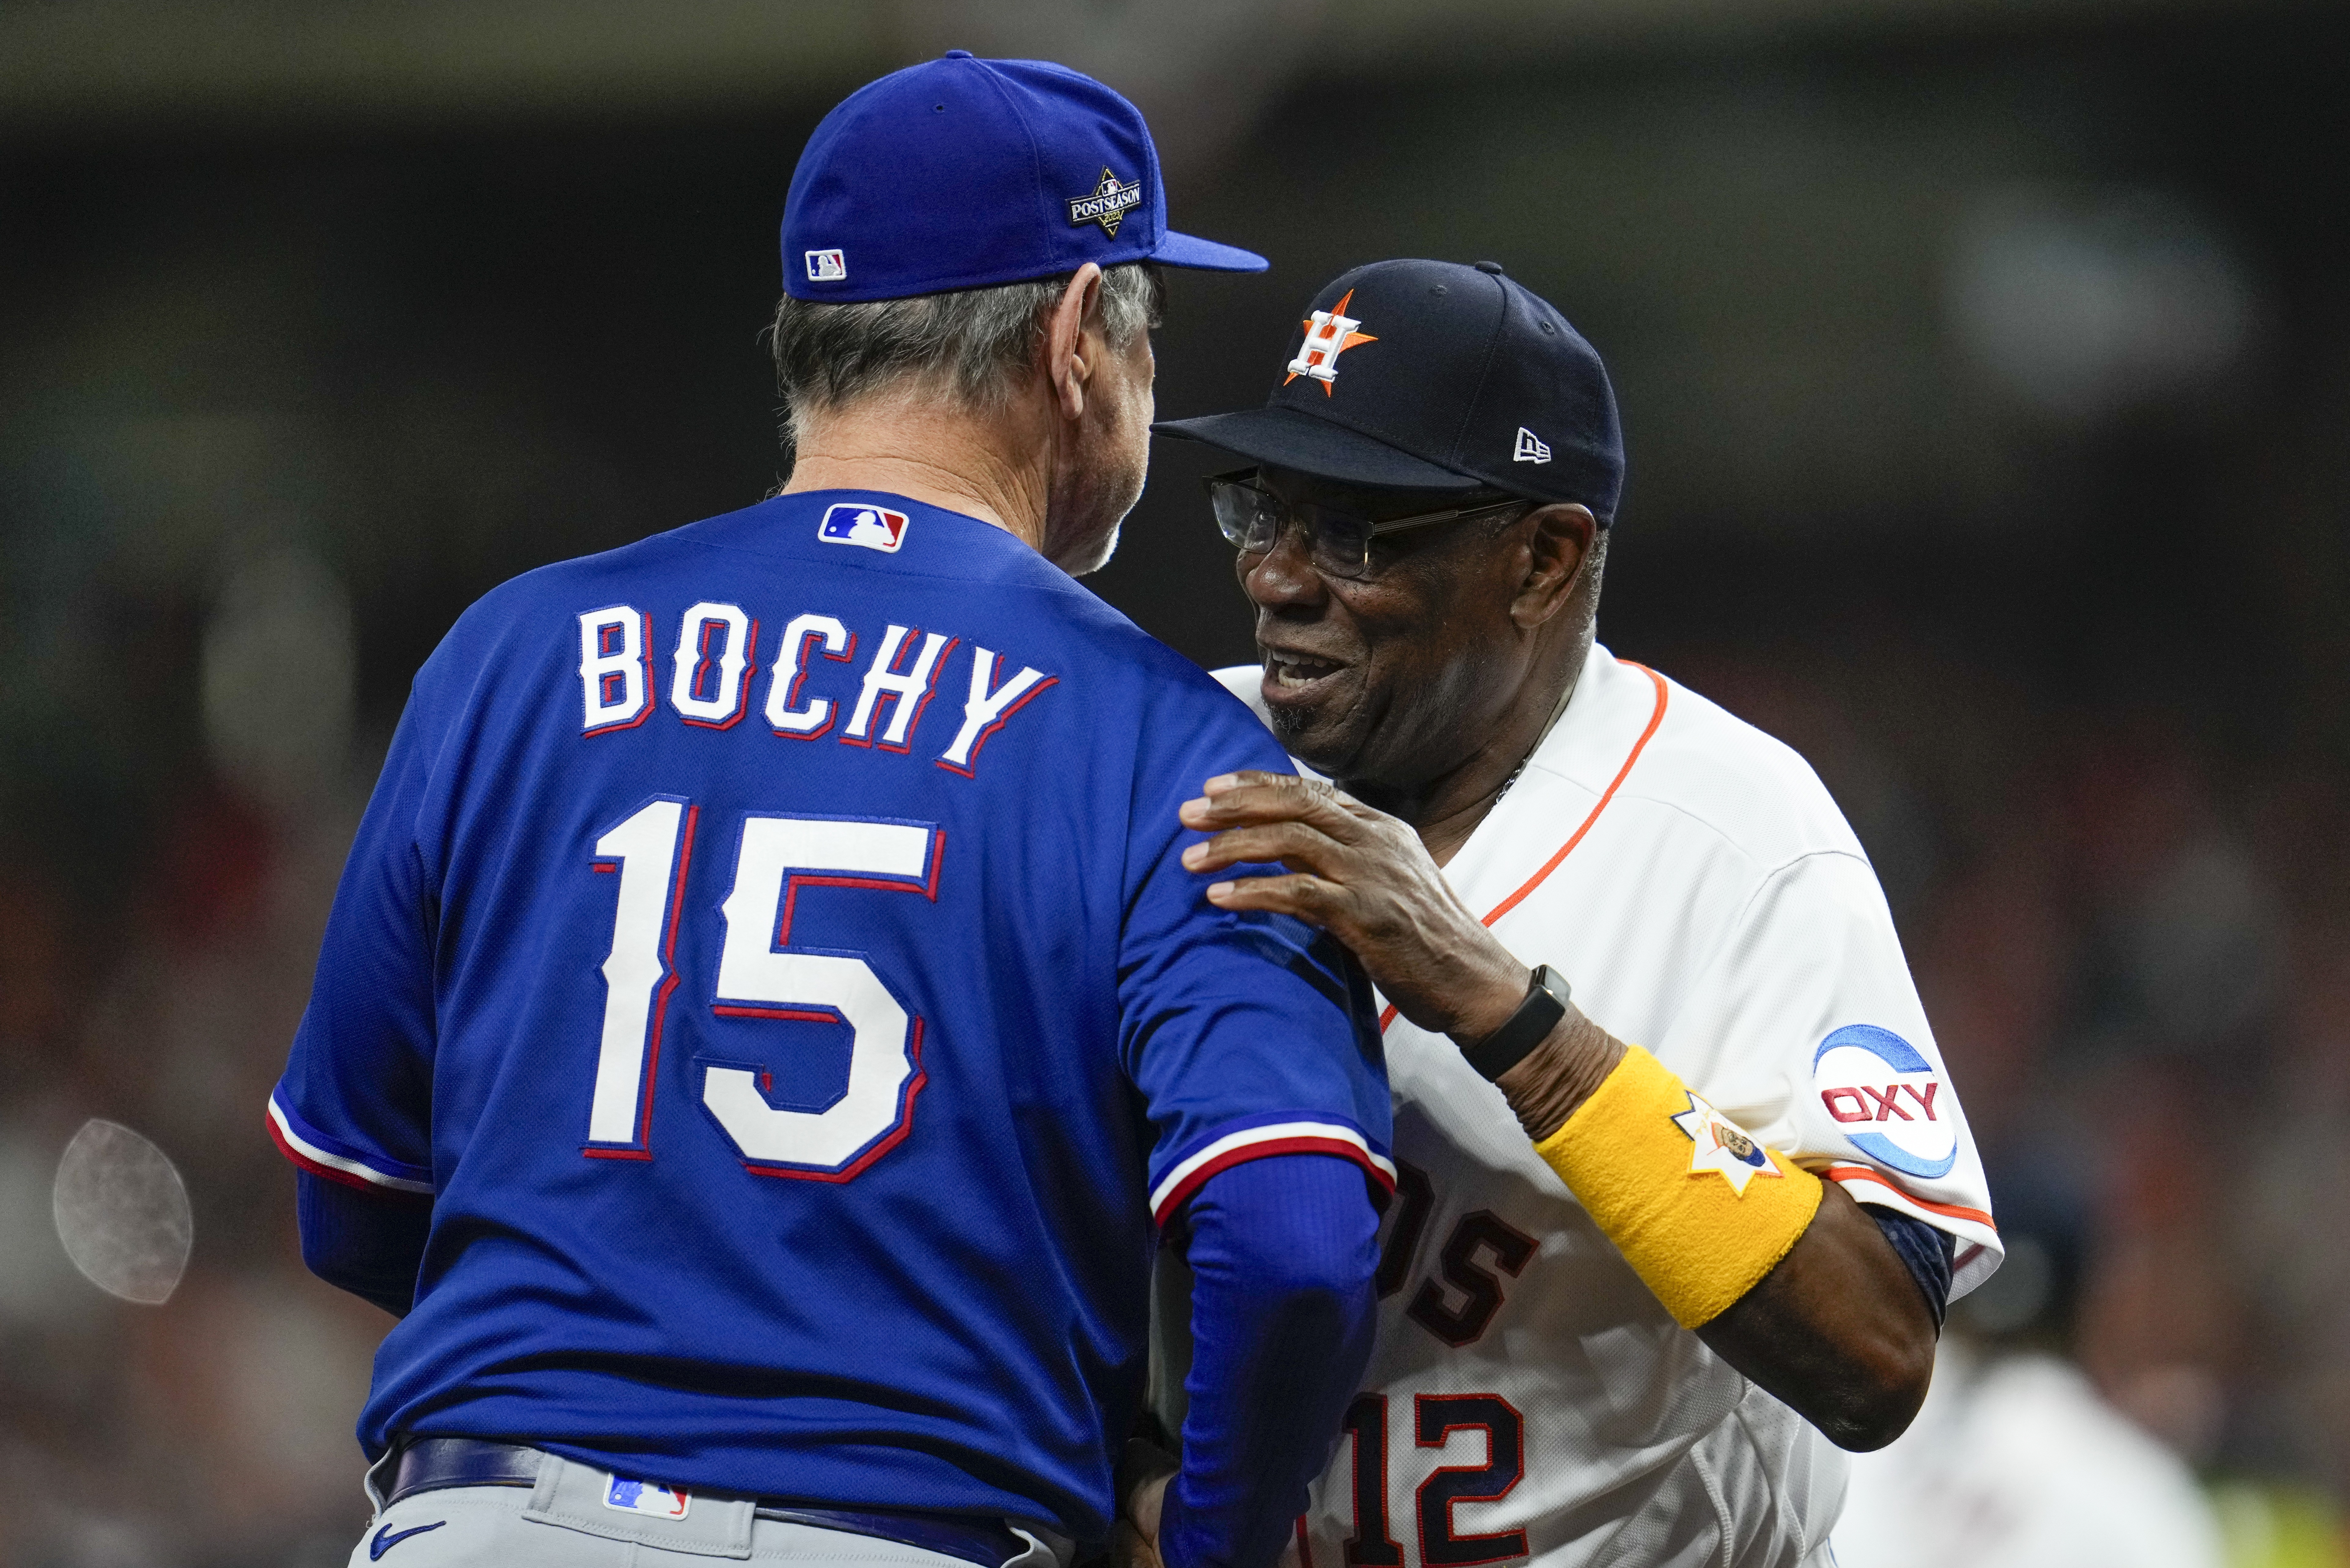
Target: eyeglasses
(1338,543)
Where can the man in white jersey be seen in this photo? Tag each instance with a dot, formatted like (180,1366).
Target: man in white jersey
(1632,1299)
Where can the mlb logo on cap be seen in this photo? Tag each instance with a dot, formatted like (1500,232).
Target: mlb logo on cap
(852,522)
(827,266)
(645,1497)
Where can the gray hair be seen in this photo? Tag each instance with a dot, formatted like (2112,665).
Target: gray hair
(970,346)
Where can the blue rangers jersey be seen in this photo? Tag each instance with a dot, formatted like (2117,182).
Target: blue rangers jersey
(767,949)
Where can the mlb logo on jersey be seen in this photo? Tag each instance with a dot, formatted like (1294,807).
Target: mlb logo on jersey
(645,1497)
(827,266)
(875,527)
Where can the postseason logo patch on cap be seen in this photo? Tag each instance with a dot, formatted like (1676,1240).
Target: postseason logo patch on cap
(1107,203)
(875,527)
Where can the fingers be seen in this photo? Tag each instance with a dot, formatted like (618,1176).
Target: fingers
(1292,844)
(1128,1548)
(1310,898)
(1225,783)
(1143,1471)
(1142,1476)
(1233,800)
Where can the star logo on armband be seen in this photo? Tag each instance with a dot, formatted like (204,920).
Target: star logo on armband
(1721,1146)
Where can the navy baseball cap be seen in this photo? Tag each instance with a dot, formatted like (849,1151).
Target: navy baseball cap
(1426,375)
(964,173)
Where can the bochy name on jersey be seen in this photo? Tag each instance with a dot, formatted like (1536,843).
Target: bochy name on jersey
(716,665)
(768,950)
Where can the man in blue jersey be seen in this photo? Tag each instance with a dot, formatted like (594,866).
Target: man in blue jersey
(759,1090)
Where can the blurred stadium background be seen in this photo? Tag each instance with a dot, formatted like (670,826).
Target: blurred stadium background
(1986,375)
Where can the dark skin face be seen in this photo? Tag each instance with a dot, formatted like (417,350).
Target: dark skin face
(1421,690)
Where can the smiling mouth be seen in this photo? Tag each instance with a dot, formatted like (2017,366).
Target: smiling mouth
(1288,673)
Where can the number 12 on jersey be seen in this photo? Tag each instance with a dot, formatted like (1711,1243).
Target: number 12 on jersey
(778,855)
(1435,1418)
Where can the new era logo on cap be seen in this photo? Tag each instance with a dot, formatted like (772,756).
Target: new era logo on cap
(827,266)
(1532,448)
(875,527)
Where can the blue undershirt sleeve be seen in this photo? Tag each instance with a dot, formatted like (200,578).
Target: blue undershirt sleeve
(368,1244)
(1924,1250)
(1282,1252)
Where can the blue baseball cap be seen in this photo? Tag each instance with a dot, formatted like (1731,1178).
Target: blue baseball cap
(964,173)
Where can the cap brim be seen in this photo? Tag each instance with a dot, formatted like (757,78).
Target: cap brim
(1287,439)
(1189,250)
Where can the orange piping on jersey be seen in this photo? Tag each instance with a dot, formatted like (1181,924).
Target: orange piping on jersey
(1537,880)
(1867,1173)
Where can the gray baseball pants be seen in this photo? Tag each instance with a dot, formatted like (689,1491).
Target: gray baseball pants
(561,1523)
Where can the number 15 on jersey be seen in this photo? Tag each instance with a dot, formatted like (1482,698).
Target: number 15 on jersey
(760,975)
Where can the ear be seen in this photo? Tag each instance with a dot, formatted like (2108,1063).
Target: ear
(1069,357)
(1558,544)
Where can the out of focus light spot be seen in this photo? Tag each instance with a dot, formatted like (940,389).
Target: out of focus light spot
(2083,304)
(122,1212)
(279,659)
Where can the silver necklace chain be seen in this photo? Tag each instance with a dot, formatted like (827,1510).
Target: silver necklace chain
(1555,714)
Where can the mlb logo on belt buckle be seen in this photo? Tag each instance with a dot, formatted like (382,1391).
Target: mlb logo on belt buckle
(827,266)
(875,527)
(645,1497)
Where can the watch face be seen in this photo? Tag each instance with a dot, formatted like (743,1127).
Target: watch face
(1546,1003)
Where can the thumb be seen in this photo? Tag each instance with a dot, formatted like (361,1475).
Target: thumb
(1130,1549)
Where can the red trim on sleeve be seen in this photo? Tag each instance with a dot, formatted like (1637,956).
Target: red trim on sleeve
(1382,1183)
(343,1178)
(1870,1173)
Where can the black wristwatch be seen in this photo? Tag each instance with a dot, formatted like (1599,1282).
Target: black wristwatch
(1546,1003)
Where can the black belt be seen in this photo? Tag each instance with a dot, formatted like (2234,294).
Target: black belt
(430,1464)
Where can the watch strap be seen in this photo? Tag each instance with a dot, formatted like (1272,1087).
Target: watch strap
(1546,999)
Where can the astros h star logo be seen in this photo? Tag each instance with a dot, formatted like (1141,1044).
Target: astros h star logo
(1328,333)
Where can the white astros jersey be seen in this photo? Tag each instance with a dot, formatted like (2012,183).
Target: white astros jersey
(1529,1399)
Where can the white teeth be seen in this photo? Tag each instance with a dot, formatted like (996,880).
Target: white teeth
(1298,672)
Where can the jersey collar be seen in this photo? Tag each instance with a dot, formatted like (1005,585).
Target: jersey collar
(1576,770)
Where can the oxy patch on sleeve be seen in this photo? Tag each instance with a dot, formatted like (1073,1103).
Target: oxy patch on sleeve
(1889,1099)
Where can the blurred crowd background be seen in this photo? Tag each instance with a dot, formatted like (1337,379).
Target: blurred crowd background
(1985,367)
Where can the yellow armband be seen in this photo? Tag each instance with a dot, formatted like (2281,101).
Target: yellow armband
(1700,1210)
